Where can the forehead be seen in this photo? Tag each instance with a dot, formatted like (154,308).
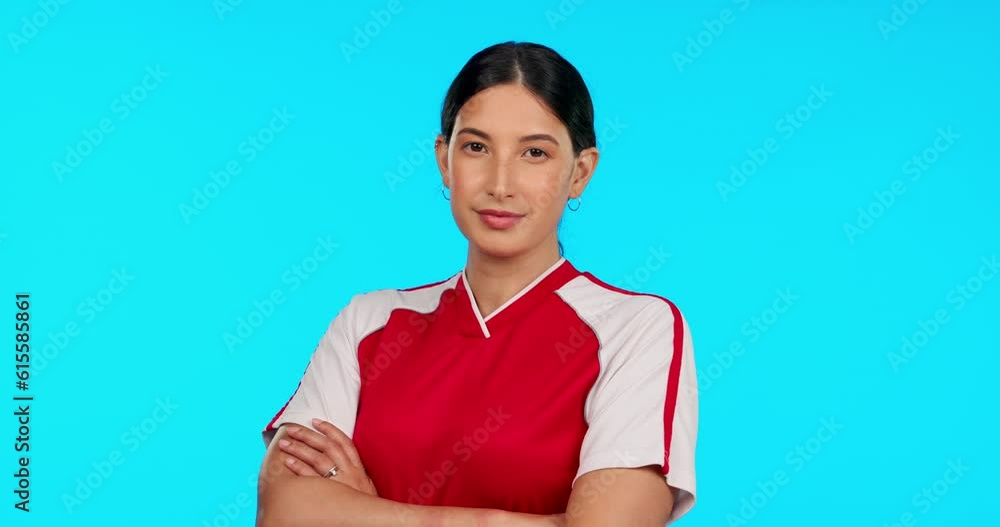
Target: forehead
(509,110)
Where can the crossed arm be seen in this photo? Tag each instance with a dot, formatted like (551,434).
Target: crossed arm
(287,497)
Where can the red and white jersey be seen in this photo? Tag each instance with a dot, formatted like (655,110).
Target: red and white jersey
(447,407)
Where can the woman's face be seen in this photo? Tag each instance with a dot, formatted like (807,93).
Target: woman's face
(510,168)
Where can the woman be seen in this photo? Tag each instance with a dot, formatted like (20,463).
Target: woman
(519,391)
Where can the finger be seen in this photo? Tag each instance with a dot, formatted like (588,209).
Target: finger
(318,442)
(322,443)
(331,441)
(315,439)
(319,461)
(299,450)
(298,467)
(341,438)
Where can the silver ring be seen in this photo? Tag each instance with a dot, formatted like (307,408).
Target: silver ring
(332,473)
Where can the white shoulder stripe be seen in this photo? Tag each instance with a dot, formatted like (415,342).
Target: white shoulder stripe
(609,314)
(370,311)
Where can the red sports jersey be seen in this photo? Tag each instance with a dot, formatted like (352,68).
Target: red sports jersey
(447,407)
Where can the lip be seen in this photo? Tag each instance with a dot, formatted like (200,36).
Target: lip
(499,219)
(499,213)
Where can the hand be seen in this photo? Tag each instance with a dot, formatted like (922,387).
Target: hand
(313,454)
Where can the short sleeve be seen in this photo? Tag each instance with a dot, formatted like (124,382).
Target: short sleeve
(330,386)
(643,408)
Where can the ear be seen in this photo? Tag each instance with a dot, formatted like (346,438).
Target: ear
(583,169)
(441,155)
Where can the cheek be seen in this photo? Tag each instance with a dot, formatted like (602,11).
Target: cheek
(547,192)
(463,174)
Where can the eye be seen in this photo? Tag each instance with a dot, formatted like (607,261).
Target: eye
(537,153)
(476,147)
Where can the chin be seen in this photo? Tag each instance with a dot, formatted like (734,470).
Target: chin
(498,250)
(497,245)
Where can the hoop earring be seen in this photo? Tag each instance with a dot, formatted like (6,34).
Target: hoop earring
(446,192)
(569,204)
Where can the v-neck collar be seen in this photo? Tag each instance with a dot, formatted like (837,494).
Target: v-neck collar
(549,280)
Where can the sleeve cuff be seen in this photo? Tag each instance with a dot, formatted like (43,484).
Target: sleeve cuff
(298,418)
(684,497)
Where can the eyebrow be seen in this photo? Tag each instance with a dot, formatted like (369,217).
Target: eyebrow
(524,139)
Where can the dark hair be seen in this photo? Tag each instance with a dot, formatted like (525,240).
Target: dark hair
(542,71)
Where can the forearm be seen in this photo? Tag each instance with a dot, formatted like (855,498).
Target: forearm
(316,502)
(499,518)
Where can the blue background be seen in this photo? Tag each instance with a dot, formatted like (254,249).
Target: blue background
(687,111)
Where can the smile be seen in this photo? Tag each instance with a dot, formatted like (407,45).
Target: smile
(499,219)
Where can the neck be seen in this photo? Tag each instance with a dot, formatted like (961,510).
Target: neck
(495,280)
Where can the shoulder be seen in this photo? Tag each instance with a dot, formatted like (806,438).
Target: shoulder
(609,308)
(371,309)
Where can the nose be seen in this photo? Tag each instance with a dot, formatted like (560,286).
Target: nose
(499,183)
